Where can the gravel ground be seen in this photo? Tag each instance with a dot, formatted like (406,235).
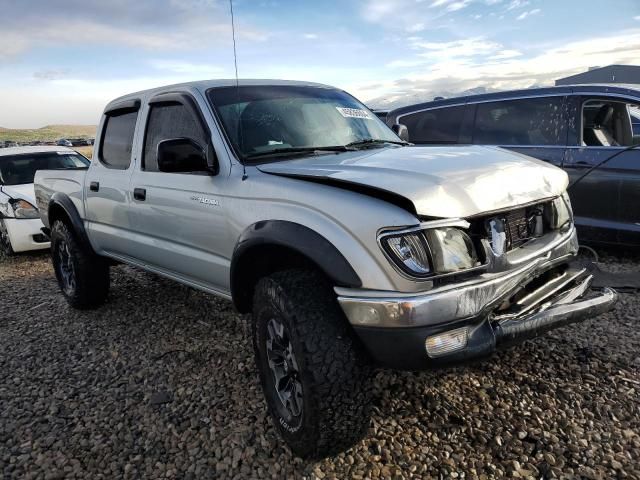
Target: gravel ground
(160,383)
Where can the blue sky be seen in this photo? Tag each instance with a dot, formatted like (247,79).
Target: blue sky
(61,61)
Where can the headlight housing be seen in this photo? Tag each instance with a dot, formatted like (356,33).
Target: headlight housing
(23,209)
(410,252)
(425,253)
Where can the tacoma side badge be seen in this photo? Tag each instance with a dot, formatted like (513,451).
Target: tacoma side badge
(207,201)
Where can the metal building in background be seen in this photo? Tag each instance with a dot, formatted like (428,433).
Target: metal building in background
(629,74)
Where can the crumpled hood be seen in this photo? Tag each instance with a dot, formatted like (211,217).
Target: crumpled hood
(24,192)
(457,181)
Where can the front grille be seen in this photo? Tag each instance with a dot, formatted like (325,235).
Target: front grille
(511,229)
(519,226)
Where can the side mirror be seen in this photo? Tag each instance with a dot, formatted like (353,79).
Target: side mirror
(402,131)
(182,155)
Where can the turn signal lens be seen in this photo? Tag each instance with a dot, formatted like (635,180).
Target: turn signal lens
(447,342)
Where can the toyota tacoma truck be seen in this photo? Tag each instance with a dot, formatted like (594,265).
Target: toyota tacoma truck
(350,248)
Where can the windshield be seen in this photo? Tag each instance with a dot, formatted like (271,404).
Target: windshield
(20,169)
(264,120)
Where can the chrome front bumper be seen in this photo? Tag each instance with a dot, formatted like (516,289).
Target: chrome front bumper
(457,301)
(395,327)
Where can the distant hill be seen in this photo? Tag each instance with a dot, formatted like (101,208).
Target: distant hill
(48,133)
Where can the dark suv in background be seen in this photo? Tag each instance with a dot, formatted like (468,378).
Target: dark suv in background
(573,127)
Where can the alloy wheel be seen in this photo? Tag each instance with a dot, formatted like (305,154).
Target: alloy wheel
(284,369)
(65,266)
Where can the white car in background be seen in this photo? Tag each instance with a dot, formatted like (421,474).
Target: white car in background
(20,225)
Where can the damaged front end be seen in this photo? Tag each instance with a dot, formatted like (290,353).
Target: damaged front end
(525,284)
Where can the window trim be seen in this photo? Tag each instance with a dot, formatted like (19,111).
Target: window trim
(584,99)
(563,120)
(463,122)
(188,101)
(120,108)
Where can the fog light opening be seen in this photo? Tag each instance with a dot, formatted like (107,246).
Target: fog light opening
(447,342)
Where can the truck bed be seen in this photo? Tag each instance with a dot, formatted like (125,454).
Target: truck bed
(69,182)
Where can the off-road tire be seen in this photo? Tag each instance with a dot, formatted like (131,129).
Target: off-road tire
(5,244)
(90,272)
(334,370)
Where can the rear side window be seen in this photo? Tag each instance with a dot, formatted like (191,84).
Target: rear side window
(117,139)
(440,125)
(531,121)
(167,121)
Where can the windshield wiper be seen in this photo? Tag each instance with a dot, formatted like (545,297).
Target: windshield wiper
(374,141)
(295,150)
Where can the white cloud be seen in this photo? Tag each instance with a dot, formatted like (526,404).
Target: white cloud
(504,54)
(451,5)
(637,17)
(468,47)
(187,68)
(310,36)
(416,27)
(517,4)
(530,13)
(503,69)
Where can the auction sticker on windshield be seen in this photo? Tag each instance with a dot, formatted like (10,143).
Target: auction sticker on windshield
(353,113)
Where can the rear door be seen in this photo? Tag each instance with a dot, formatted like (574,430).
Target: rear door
(533,126)
(180,226)
(606,202)
(108,215)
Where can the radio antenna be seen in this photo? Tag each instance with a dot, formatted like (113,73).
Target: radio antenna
(235,64)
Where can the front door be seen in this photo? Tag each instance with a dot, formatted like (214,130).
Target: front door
(178,213)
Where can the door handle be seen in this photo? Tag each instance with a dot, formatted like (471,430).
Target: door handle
(140,194)
(94,186)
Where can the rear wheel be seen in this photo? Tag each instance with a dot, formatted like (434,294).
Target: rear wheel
(314,374)
(82,275)
(5,244)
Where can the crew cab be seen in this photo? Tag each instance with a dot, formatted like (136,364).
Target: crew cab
(349,248)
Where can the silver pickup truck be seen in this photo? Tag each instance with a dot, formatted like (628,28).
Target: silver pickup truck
(350,248)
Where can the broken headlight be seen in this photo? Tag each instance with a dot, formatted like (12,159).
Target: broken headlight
(23,209)
(452,250)
(431,252)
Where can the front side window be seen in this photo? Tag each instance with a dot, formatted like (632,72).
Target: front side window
(117,139)
(21,169)
(436,126)
(264,121)
(531,121)
(169,121)
(610,123)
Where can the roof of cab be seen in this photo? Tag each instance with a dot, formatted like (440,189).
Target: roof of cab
(36,149)
(203,85)
(621,89)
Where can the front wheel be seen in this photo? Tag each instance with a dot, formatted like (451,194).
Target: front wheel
(314,374)
(5,244)
(82,275)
